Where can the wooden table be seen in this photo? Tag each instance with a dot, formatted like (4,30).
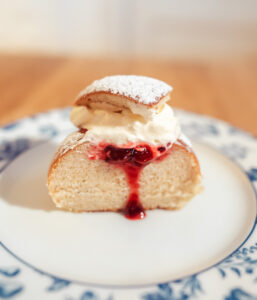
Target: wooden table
(226,90)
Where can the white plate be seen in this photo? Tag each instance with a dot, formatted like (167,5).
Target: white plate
(207,250)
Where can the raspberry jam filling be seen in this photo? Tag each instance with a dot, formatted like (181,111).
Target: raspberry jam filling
(132,159)
(83,130)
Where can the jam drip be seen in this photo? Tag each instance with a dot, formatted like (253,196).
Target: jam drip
(132,161)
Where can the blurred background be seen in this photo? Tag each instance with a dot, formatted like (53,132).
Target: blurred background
(207,50)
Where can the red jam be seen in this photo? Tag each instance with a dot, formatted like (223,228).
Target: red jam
(132,159)
(83,130)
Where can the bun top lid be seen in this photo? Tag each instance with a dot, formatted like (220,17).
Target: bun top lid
(137,93)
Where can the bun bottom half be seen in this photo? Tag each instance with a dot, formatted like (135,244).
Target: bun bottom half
(78,183)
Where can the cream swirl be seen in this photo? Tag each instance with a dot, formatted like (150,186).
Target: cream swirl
(123,126)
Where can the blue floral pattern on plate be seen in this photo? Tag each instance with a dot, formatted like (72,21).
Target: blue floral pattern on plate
(237,274)
(240,294)
(9,288)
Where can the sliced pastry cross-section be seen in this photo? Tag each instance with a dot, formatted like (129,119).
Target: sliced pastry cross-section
(128,153)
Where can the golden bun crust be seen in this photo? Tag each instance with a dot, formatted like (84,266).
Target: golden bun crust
(120,100)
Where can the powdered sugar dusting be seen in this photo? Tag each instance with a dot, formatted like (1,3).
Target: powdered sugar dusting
(71,141)
(143,89)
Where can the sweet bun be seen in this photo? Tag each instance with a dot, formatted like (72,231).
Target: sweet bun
(128,154)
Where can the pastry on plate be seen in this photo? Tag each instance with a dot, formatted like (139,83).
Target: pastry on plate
(128,153)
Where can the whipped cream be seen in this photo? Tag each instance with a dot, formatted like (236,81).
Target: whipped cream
(123,127)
